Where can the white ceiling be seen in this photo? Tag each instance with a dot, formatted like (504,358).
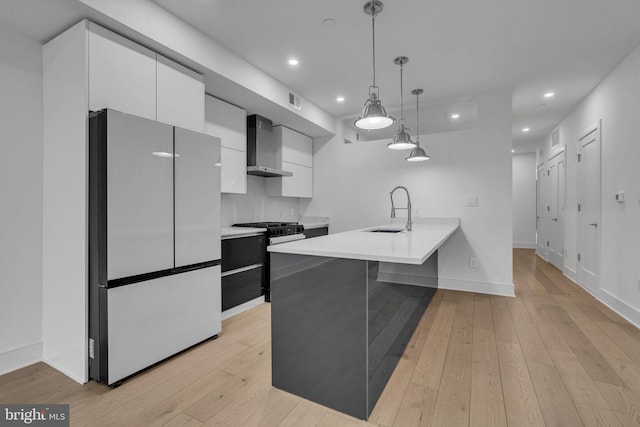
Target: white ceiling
(456,49)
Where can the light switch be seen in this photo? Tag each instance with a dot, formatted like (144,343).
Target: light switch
(472,201)
(620,197)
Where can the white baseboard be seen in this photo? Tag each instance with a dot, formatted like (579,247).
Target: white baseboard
(541,256)
(524,245)
(57,367)
(242,307)
(630,313)
(17,358)
(500,289)
(571,274)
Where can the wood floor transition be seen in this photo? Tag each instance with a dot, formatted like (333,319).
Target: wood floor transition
(551,356)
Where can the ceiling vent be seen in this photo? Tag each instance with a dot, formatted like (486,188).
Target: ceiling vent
(294,100)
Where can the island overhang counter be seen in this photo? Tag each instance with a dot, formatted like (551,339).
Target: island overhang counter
(338,325)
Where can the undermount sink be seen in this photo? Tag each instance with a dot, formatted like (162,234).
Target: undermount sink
(387,230)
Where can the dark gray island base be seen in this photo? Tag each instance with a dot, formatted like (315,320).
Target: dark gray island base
(337,331)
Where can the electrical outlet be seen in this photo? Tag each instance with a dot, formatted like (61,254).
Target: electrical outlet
(292,213)
(417,212)
(473,262)
(472,201)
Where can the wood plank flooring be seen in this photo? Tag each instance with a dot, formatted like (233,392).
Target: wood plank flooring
(552,356)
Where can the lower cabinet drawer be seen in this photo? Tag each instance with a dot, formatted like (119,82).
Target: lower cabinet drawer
(243,251)
(241,287)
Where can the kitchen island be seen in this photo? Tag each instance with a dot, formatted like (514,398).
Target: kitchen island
(339,329)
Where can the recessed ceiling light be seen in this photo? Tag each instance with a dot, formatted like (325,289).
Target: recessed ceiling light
(513,151)
(549,94)
(455,116)
(340,99)
(293,61)
(329,22)
(525,130)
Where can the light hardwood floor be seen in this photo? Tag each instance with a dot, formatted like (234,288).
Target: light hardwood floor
(551,356)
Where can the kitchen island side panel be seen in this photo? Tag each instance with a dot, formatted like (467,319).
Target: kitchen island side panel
(339,330)
(319,330)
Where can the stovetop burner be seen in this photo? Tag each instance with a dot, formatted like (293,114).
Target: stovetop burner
(275,228)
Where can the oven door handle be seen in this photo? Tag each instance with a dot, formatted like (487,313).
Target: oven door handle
(284,239)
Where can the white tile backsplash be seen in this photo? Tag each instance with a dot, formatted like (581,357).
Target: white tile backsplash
(256,205)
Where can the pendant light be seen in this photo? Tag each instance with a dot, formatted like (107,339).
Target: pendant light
(373,116)
(417,154)
(401,140)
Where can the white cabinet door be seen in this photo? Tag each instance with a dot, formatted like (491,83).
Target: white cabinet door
(150,321)
(197,197)
(227,122)
(180,95)
(298,185)
(296,147)
(139,196)
(234,171)
(122,74)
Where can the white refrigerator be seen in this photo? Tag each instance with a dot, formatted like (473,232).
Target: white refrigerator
(154,242)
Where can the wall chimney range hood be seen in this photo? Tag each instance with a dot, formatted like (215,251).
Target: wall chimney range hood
(261,148)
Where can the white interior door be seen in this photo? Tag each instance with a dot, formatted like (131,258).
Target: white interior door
(589,208)
(556,209)
(541,211)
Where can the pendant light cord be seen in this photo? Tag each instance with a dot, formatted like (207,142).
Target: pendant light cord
(417,119)
(373,30)
(401,96)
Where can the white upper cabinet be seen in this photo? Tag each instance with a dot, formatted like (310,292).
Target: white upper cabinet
(293,152)
(122,74)
(229,123)
(293,147)
(180,95)
(234,171)
(298,185)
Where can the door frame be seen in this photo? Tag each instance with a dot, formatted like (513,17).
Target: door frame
(560,152)
(541,214)
(594,127)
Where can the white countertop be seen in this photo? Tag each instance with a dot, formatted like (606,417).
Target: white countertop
(406,247)
(229,232)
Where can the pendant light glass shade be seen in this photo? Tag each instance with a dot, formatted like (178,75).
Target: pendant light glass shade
(401,140)
(374,116)
(417,154)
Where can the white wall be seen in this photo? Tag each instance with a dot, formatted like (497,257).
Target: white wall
(616,101)
(524,200)
(21,196)
(352,184)
(256,205)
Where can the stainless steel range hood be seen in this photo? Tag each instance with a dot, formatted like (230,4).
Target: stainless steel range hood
(261,148)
